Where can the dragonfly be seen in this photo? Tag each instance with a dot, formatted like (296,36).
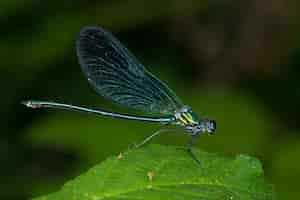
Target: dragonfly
(116,74)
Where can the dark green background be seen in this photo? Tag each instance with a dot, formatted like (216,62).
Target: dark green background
(233,61)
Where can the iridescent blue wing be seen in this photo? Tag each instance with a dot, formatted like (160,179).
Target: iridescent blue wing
(118,76)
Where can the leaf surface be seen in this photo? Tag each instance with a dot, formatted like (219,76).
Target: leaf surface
(164,172)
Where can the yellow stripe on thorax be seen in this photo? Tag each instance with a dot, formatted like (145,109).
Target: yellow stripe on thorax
(183,120)
(189,118)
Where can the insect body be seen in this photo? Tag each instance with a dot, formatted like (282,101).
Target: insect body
(194,125)
(117,75)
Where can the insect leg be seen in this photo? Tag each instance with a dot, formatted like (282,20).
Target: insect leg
(157,132)
(190,149)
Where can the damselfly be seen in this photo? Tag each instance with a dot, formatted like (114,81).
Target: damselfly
(118,76)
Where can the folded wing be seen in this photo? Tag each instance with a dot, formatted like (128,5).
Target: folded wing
(118,76)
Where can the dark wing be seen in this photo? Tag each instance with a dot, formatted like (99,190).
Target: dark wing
(117,75)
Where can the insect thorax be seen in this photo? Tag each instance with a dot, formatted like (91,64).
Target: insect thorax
(186,117)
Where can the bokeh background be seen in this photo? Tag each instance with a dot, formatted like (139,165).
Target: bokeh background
(233,61)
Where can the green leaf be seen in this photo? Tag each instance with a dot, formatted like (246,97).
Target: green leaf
(164,172)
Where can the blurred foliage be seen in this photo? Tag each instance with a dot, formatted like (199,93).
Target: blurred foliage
(234,61)
(148,176)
